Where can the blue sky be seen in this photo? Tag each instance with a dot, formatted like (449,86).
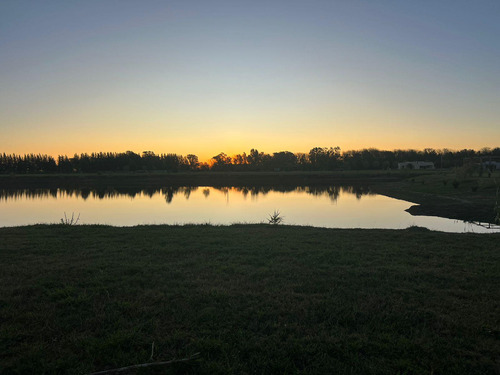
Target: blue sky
(209,76)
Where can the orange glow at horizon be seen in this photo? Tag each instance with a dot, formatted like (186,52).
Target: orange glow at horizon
(206,152)
(211,77)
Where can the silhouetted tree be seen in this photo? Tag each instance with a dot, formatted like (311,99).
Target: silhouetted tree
(284,160)
(221,162)
(324,158)
(192,161)
(318,158)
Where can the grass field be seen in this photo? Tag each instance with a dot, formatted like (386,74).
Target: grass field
(144,179)
(455,194)
(249,299)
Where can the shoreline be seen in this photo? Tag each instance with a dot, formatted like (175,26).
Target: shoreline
(432,191)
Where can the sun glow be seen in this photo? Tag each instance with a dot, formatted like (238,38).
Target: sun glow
(334,74)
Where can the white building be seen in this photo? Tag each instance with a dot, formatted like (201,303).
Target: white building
(416,165)
(491,165)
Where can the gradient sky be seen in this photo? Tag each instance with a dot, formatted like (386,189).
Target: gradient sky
(209,76)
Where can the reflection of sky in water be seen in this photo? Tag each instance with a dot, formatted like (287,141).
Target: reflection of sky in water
(324,207)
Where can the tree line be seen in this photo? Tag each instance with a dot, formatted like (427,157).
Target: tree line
(317,159)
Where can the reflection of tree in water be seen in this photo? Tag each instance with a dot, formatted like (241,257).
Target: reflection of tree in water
(331,191)
(149,192)
(171,191)
(358,191)
(30,193)
(169,194)
(254,191)
(188,190)
(85,193)
(223,190)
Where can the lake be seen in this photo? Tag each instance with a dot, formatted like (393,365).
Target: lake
(321,206)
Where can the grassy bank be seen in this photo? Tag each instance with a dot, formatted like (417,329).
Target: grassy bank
(249,299)
(453,194)
(195,179)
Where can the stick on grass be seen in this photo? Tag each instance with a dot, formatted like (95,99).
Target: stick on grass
(142,365)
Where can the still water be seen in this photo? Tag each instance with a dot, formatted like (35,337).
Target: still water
(332,207)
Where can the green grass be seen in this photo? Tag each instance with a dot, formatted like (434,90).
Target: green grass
(441,183)
(472,200)
(250,299)
(162,179)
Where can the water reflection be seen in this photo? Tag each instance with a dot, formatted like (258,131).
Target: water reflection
(171,192)
(317,205)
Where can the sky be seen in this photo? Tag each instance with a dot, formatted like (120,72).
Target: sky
(206,77)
